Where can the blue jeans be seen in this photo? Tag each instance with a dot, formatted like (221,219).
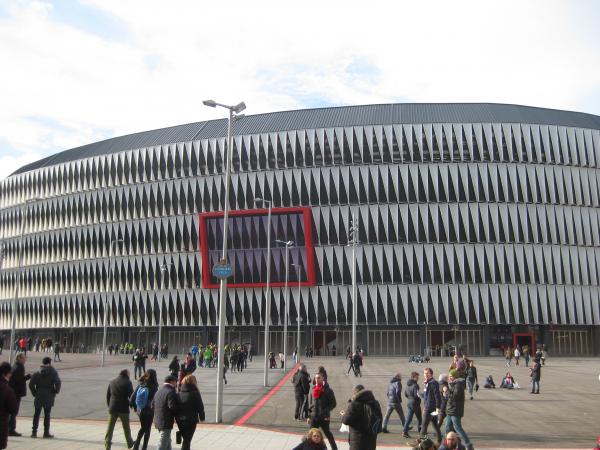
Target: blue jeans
(164,441)
(456,423)
(535,386)
(409,415)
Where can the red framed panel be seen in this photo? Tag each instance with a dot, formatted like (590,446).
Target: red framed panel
(529,335)
(308,240)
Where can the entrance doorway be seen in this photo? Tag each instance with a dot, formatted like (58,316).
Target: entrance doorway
(324,341)
(522,339)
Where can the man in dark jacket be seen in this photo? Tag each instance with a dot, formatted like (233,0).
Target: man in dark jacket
(394,400)
(413,404)
(432,401)
(455,408)
(44,385)
(536,374)
(117,399)
(361,413)
(301,382)
(18,383)
(8,403)
(139,362)
(322,402)
(166,407)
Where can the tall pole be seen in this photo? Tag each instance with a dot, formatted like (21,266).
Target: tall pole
(223,290)
(299,270)
(111,277)
(268,300)
(287,294)
(354,232)
(164,268)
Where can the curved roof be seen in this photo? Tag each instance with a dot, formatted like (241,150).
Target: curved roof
(325,118)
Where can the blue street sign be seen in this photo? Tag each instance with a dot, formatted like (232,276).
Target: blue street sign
(221,270)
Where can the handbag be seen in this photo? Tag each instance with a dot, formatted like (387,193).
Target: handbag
(476,387)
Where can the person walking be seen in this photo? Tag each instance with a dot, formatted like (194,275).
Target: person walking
(191,410)
(166,407)
(413,404)
(57,352)
(322,402)
(536,374)
(455,408)
(361,414)
(18,383)
(394,401)
(517,355)
(8,403)
(117,399)
(141,402)
(472,378)
(301,382)
(139,361)
(44,386)
(432,401)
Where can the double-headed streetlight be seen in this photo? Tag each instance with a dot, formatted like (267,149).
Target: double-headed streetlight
(112,263)
(268,305)
(353,243)
(298,268)
(234,113)
(285,320)
(13,327)
(164,268)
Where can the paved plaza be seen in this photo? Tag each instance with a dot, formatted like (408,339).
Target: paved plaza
(561,417)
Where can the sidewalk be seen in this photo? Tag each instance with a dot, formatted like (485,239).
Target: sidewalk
(89,434)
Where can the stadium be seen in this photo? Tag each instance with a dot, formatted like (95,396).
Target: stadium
(477,224)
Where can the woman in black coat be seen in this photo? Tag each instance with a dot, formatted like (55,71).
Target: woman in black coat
(191,409)
(356,417)
(174,366)
(150,382)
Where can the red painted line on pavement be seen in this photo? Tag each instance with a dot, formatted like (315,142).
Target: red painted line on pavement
(266,398)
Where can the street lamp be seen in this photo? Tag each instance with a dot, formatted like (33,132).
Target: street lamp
(268,306)
(285,320)
(233,110)
(13,327)
(112,280)
(353,242)
(299,271)
(164,268)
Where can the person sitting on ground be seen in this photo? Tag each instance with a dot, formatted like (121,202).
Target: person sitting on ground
(424,444)
(508,381)
(312,441)
(452,442)
(489,383)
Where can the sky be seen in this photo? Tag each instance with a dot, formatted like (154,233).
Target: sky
(76,72)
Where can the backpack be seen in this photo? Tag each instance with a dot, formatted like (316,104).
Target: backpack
(141,398)
(374,424)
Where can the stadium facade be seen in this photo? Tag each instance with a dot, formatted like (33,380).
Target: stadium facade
(478,226)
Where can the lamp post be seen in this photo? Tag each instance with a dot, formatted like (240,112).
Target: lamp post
(268,301)
(299,271)
(233,114)
(353,242)
(112,280)
(287,293)
(13,327)
(164,268)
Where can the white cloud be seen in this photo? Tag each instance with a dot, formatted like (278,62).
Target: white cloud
(275,56)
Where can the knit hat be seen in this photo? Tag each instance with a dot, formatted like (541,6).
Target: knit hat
(454,373)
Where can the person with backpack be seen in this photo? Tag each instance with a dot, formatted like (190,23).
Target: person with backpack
(301,382)
(394,396)
(141,401)
(191,410)
(413,404)
(363,416)
(117,399)
(322,402)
